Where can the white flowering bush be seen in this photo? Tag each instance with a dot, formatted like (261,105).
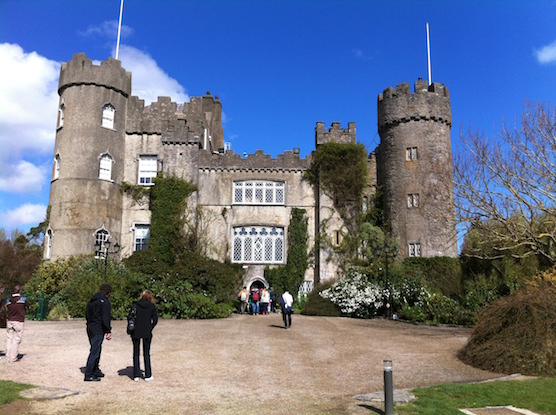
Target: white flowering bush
(358,295)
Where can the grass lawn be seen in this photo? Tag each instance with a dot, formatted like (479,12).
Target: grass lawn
(538,395)
(9,391)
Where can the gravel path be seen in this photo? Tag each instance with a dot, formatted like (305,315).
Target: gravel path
(240,365)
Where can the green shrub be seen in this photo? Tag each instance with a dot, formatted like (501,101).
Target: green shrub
(441,273)
(516,334)
(59,312)
(315,305)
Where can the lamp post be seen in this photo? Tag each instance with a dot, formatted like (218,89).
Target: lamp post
(392,251)
(102,250)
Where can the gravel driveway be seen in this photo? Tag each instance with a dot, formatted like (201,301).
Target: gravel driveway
(240,365)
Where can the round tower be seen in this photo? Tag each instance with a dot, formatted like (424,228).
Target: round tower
(85,198)
(415,170)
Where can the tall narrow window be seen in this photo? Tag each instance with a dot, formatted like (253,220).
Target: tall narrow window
(414,249)
(56,167)
(101,236)
(411,153)
(142,233)
(105,167)
(48,244)
(108,112)
(147,170)
(61,115)
(413,200)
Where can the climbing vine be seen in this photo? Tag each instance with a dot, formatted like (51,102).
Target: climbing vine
(136,192)
(291,275)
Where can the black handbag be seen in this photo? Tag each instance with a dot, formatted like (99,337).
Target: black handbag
(131,317)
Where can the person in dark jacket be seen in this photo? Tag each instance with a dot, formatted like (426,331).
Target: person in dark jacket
(98,327)
(146,317)
(18,306)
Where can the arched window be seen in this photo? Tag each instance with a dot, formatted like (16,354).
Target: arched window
(48,244)
(105,167)
(57,161)
(61,114)
(258,244)
(101,236)
(108,113)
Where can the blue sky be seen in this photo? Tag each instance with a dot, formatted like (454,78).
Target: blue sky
(277,66)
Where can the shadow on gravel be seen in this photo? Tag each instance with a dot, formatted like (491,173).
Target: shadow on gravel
(372,409)
(128,371)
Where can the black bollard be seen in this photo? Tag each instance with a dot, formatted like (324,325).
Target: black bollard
(388,388)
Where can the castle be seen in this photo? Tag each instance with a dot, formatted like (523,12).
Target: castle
(106,137)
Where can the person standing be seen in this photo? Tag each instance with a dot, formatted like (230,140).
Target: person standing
(244,299)
(98,327)
(146,318)
(17,307)
(287,308)
(265,300)
(3,310)
(255,301)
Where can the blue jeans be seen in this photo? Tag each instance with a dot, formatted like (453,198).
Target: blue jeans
(255,306)
(94,354)
(146,357)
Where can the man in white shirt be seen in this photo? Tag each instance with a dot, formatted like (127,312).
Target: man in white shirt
(287,309)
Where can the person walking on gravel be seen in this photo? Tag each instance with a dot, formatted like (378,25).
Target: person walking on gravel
(17,308)
(146,317)
(98,327)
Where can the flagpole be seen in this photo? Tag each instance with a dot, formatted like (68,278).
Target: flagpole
(120,30)
(428,51)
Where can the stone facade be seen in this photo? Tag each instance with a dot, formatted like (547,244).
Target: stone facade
(106,137)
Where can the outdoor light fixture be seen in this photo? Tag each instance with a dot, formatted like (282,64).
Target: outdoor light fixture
(393,252)
(388,388)
(102,250)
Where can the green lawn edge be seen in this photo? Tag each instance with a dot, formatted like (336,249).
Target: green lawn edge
(9,391)
(535,394)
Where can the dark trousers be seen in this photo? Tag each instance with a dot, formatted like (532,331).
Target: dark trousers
(94,354)
(146,357)
(287,317)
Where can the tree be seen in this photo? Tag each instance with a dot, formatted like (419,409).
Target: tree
(506,188)
(18,258)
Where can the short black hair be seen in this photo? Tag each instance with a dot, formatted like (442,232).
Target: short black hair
(105,288)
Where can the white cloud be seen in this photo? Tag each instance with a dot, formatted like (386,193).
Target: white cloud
(27,214)
(108,30)
(546,54)
(28,102)
(149,81)
(22,177)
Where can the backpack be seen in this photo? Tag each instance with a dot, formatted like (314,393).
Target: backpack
(243,296)
(255,296)
(131,319)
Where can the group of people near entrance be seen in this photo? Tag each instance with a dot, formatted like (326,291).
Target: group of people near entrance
(260,301)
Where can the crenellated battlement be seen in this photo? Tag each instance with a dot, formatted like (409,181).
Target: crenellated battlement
(289,161)
(335,133)
(81,71)
(428,102)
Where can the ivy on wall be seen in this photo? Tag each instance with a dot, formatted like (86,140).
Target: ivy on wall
(168,202)
(135,191)
(291,275)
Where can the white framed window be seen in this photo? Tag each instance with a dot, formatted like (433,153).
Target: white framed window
(148,166)
(108,113)
(61,115)
(411,153)
(413,200)
(105,167)
(56,166)
(259,192)
(258,244)
(142,233)
(414,249)
(101,236)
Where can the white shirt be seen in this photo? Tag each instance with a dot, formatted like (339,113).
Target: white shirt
(288,299)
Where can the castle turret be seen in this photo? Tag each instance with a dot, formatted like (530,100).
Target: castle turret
(85,198)
(414,168)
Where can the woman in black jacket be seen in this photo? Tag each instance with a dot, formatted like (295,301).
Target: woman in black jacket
(145,320)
